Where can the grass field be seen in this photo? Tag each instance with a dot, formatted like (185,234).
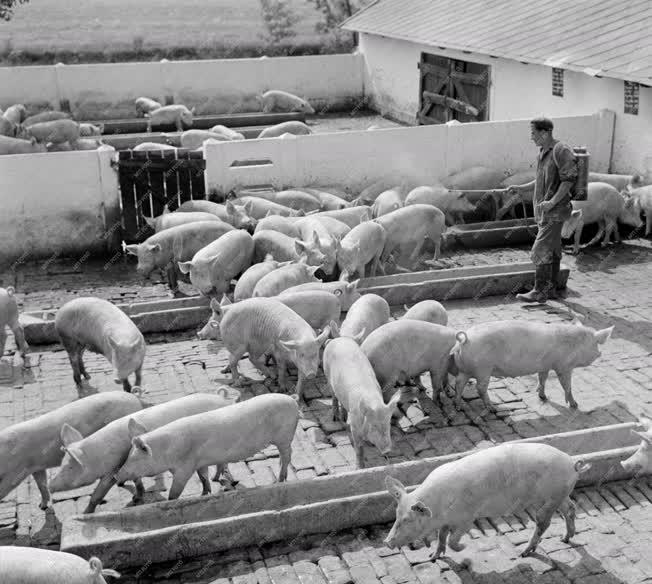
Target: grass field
(109,30)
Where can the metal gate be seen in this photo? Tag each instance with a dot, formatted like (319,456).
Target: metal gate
(152,180)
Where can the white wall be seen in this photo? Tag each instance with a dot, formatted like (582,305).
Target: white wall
(57,203)
(517,91)
(424,153)
(108,90)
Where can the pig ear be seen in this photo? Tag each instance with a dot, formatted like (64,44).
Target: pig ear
(269,213)
(393,403)
(95,565)
(289,345)
(302,213)
(358,338)
(315,238)
(325,333)
(215,306)
(602,336)
(132,249)
(225,301)
(135,428)
(166,210)
(335,330)
(421,509)
(576,214)
(645,436)
(299,246)
(268,257)
(395,488)
(353,285)
(139,443)
(230,207)
(185,266)
(646,422)
(69,435)
(247,207)
(155,247)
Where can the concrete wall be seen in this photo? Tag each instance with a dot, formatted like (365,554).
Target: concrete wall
(516,91)
(424,153)
(102,91)
(57,203)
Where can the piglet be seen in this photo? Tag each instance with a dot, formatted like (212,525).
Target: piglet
(361,247)
(101,327)
(31,565)
(7,128)
(642,198)
(229,213)
(387,202)
(195,138)
(317,307)
(493,482)
(246,283)
(365,315)
(335,227)
(285,277)
(152,146)
(284,225)
(91,129)
(352,216)
(167,220)
(259,208)
(428,311)
(314,230)
(176,114)
(56,131)
(46,116)
(229,434)
(292,127)
(452,203)
(296,199)
(9,145)
(101,454)
(228,132)
(356,391)
(9,318)
(329,201)
(641,461)
(145,105)
(287,249)
(32,446)
(511,348)
(347,292)
(15,113)
(276,100)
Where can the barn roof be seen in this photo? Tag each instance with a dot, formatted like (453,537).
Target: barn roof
(597,37)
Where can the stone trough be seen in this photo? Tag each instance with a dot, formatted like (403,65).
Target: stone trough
(491,234)
(192,312)
(196,526)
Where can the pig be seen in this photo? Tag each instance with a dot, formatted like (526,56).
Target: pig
(453,123)
(229,213)
(195,138)
(32,446)
(355,390)
(101,454)
(60,147)
(452,203)
(46,116)
(365,315)
(287,136)
(509,199)
(192,443)
(244,288)
(369,194)
(641,461)
(427,311)
(7,128)
(315,231)
(86,144)
(410,226)
(642,199)
(177,114)
(286,249)
(335,227)
(263,326)
(285,277)
(10,145)
(337,190)
(387,202)
(176,244)
(352,216)
(101,327)
(604,205)
(228,132)
(9,318)
(403,349)
(317,307)
(618,181)
(214,266)
(91,130)
(16,113)
(293,127)
(346,291)
(512,348)
(259,208)
(284,225)
(492,482)
(31,565)
(145,105)
(361,247)
(56,131)
(298,200)
(167,220)
(282,101)
(152,146)
(475,178)
(329,202)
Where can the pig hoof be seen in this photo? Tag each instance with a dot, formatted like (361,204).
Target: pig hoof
(542,396)
(226,369)
(43,506)
(573,405)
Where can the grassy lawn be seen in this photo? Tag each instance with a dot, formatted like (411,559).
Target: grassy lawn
(90,30)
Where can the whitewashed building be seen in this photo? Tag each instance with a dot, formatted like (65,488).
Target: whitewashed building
(429,61)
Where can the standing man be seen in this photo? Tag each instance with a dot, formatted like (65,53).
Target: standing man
(556,174)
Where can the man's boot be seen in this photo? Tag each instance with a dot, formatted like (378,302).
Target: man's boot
(556,288)
(542,280)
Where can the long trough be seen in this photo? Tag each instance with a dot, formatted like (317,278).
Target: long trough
(449,284)
(196,526)
(491,234)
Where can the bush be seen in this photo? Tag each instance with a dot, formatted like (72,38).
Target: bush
(279,19)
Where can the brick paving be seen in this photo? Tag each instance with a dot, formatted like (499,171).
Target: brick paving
(607,286)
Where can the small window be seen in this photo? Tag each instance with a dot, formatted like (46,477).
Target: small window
(631,97)
(558,82)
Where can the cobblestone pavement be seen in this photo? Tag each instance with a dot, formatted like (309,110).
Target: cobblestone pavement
(607,286)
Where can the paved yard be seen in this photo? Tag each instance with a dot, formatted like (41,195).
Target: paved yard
(610,286)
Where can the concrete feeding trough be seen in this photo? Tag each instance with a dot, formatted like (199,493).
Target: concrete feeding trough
(491,234)
(192,312)
(196,526)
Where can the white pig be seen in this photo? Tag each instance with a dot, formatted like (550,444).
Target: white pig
(641,461)
(195,138)
(246,284)
(369,194)
(317,307)
(281,101)
(428,311)
(365,315)
(452,203)
(286,249)
(284,225)
(229,213)
(346,291)
(329,201)
(259,208)
(101,327)
(475,178)
(352,216)
(265,326)
(228,132)
(511,348)
(387,202)
(285,277)
(9,318)
(642,198)
(214,266)
(90,144)
(32,446)
(101,454)
(7,128)
(335,227)
(361,247)
(15,113)
(10,145)
(295,199)
(493,482)
(146,105)
(315,231)
(619,181)
(56,131)
(356,390)
(31,565)
(177,114)
(46,116)
(167,220)
(91,130)
(153,146)
(295,128)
